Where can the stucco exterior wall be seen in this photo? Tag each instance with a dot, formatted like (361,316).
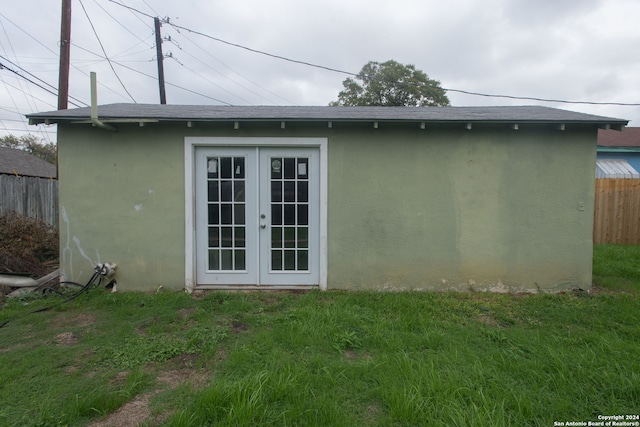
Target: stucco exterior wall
(454,209)
(440,208)
(122,201)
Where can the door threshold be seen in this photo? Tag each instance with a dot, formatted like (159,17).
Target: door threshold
(255,287)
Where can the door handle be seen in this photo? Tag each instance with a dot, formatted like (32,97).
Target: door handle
(263,225)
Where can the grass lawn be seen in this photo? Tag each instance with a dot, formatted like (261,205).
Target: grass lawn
(327,358)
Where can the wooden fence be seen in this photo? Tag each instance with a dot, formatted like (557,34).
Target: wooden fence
(617,211)
(30,196)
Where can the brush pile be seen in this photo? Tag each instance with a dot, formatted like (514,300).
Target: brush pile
(28,247)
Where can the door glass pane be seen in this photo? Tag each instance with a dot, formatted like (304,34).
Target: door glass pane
(226,206)
(290,214)
(289,191)
(238,167)
(276,191)
(227,259)
(214,217)
(225,191)
(213,191)
(290,207)
(214,259)
(289,237)
(276,260)
(289,260)
(227,241)
(303,191)
(240,241)
(303,237)
(225,213)
(303,260)
(276,168)
(238,191)
(276,237)
(303,214)
(240,260)
(214,236)
(289,168)
(238,214)
(225,167)
(276,214)
(303,166)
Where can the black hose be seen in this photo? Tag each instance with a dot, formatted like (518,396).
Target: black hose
(83,289)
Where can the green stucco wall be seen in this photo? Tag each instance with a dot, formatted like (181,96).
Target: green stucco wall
(441,208)
(455,209)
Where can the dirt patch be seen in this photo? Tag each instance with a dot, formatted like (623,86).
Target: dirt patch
(237,327)
(131,414)
(120,378)
(81,320)
(186,312)
(180,370)
(487,320)
(66,339)
(352,356)
(196,378)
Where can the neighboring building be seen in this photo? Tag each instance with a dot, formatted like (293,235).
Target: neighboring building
(387,198)
(28,186)
(20,163)
(618,153)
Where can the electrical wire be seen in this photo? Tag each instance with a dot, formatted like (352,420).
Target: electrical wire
(211,81)
(42,81)
(529,98)
(349,73)
(105,52)
(174,85)
(121,24)
(4,67)
(206,52)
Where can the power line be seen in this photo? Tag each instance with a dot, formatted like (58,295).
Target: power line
(105,53)
(207,52)
(529,98)
(284,58)
(4,67)
(172,84)
(152,77)
(28,131)
(39,79)
(120,23)
(133,9)
(349,73)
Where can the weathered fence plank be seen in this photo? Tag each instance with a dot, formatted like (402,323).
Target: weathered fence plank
(617,211)
(30,196)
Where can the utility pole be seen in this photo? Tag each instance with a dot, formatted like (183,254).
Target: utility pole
(65,49)
(163,96)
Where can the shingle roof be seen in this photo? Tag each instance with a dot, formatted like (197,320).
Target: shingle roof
(510,114)
(629,138)
(14,161)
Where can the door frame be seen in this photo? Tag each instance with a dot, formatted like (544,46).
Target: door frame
(190,145)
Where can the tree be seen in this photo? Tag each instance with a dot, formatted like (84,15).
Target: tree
(391,84)
(32,145)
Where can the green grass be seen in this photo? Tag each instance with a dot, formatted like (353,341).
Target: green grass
(330,359)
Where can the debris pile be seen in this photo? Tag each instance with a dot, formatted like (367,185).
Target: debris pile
(28,247)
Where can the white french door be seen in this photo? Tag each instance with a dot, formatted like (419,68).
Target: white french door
(257,216)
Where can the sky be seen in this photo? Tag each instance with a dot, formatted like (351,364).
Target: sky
(569,50)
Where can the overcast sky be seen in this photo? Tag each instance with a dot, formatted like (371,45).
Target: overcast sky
(574,50)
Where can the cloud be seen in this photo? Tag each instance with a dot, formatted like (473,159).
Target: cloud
(560,49)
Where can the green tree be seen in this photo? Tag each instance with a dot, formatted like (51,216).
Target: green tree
(390,84)
(32,145)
